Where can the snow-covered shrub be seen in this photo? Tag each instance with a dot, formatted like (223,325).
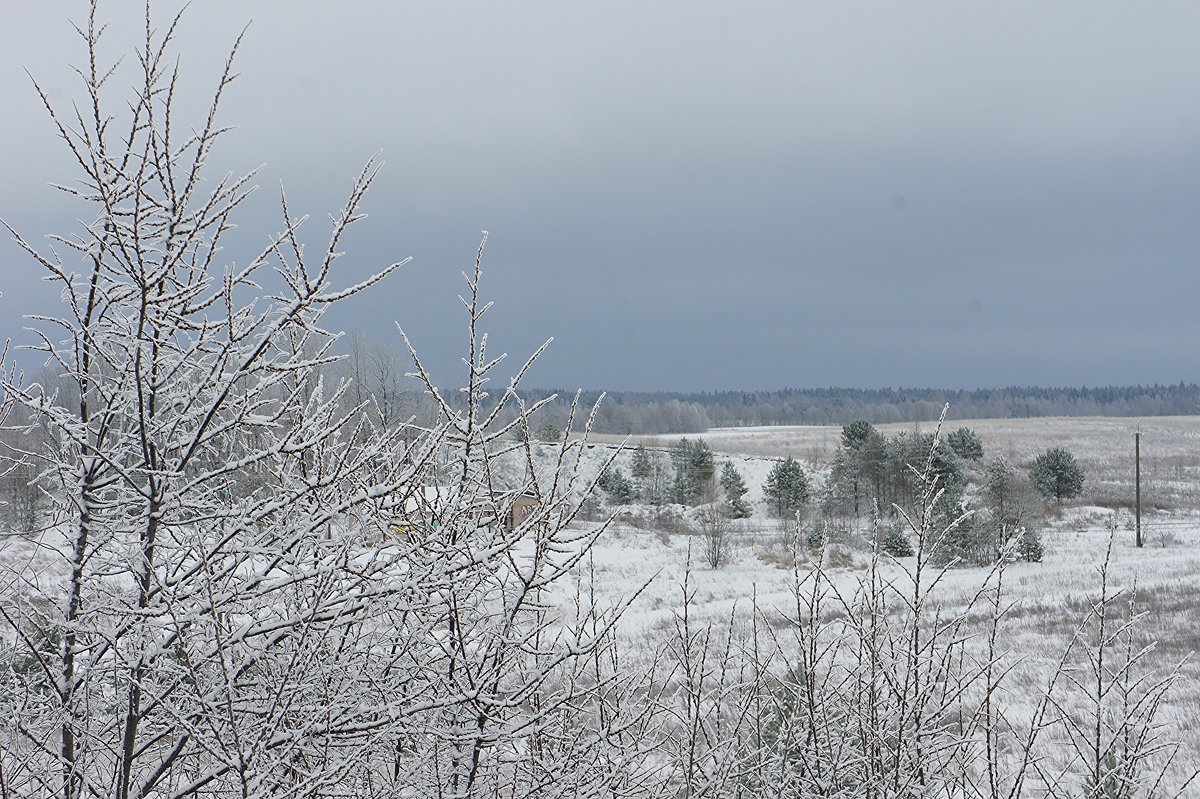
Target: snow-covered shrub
(895,543)
(215,611)
(1029,545)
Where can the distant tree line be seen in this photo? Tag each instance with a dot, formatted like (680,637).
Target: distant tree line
(664,412)
(388,397)
(377,371)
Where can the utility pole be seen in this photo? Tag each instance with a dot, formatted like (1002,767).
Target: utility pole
(1137,507)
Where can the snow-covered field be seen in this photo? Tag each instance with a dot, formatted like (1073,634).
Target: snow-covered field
(1049,598)
(652,552)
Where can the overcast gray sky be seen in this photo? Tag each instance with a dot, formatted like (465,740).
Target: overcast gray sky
(709,195)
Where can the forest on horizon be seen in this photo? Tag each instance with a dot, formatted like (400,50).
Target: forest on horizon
(672,412)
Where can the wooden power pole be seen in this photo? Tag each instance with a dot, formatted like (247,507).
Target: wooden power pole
(1137,482)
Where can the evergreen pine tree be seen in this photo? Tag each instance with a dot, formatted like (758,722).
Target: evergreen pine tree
(617,486)
(735,490)
(702,465)
(857,434)
(860,468)
(787,487)
(895,542)
(966,444)
(1029,547)
(641,467)
(683,486)
(1057,475)
(548,432)
(694,468)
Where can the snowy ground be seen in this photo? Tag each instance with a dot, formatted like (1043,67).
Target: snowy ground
(636,554)
(1050,597)
(1074,542)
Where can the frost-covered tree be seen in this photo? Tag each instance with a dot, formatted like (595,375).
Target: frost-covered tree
(787,487)
(1029,545)
(379,386)
(219,607)
(735,491)
(548,431)
(641,467)
(713,520)
(22,492)
(1007,504)
(617,486)
(694,468)
(857,434)
(966,444)
(860,469)
(1057,475)
(895,541)
(1002,493)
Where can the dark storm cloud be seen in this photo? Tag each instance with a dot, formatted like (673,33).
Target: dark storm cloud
(702,196)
